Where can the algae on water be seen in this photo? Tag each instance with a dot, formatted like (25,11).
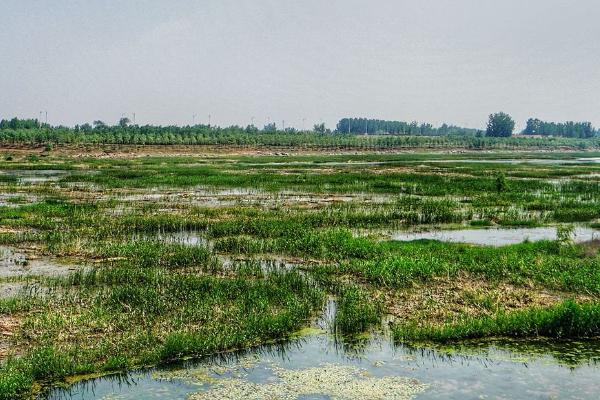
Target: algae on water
(336,381)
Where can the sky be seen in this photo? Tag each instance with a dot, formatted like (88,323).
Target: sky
(302,62)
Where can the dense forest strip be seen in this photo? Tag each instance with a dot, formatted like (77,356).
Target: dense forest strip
(205,136)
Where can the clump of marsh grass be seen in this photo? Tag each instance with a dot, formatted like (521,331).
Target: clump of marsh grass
(357,311)
(562,321)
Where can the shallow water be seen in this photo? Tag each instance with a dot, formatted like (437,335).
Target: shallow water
(16,199)
(493,371)
(319,366)
(36,175)
(539,161)
(228,197)
(188,238)
(14,263)
(495,236)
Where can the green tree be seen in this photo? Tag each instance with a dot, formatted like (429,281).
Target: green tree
(320,128)
(270,127)
(123,122)
(500,125)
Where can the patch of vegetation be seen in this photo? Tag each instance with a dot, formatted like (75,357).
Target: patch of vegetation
(563,321)
(188,256)
(356,311)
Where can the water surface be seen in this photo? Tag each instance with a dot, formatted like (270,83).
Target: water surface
(496,236)
(491,371)
(319,365)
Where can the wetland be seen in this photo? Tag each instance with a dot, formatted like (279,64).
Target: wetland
(327,276)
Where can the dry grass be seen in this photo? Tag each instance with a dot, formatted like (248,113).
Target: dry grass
(9,326)
(447,300)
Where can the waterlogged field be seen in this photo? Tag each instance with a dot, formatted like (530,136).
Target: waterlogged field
(382,276)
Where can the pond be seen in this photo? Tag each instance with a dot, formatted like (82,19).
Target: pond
(16,263)
(539,161)
(317,365)
(32,176)
(495,236)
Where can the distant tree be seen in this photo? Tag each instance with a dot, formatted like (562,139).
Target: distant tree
(533,127)
(565,129)
(500,125)
(376,126)
(270,127)
(123,122)
(251,129)
(320,128)
(98,124)
(16,123)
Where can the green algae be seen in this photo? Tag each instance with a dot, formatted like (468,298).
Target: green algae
(336,381)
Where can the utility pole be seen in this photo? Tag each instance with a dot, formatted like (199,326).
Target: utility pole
(134,118)
(283,125)
(209,117)
(366,126)
(46,117)
(303,123)
(349,126)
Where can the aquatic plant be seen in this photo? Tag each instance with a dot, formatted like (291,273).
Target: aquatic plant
(356,311)
(563,321)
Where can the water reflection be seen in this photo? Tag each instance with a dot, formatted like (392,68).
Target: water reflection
(500,369)
(496,236)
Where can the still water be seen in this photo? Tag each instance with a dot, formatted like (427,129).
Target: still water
(317,365)
(494,371)
(496,237)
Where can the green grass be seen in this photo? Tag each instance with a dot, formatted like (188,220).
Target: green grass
(144,301)
(566,320)
(150,315)
(356,311)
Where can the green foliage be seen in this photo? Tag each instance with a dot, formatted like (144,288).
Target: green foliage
(356,311)
(567,129)
(565,320)
(124,122)
(374,126)
(501,183)
(155,316)
(500,125)
(17,123)
(146,297)
(445,138)
(564,235)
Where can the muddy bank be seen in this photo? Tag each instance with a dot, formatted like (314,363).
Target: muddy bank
(16,263)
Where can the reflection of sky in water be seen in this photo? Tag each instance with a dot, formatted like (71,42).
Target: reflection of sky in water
(496,237)
(500,371)
(491,236)
(35,175)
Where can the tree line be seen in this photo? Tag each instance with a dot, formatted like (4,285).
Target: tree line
(378,126)
(499,125)
(565,129)
(16,123)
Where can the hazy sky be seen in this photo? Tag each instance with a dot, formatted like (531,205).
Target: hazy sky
(438,61)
